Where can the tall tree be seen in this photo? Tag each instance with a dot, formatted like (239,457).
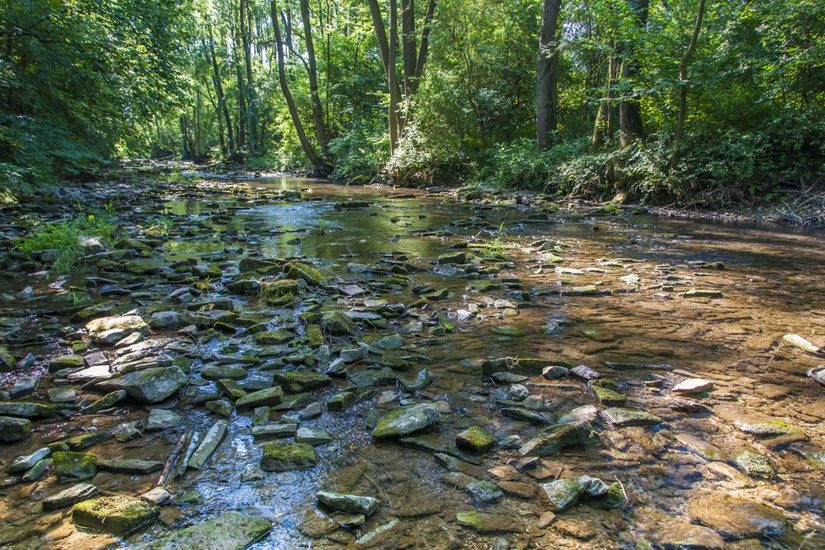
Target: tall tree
(312,71)
(318,162)
(251,101)
(684,83)
(547,73)
(216,80)
(630,111)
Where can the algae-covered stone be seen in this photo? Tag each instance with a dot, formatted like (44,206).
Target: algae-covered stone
(278,291)
(340,401)
(150,385)
(72,465)
(267,396)
(621,417)
(301,381)
(24,409)
(283,457)
(66,362)
(230,372)
(311,275)
(563,493)
(274,337)
(229,531)
(118,515)
(557,437)
(352,504)
(14,429)
(487,523)
(406,420)
(337,324)
(105,402)
(314,335)
(476,439)
(754,464)
(606,394)
(7,362)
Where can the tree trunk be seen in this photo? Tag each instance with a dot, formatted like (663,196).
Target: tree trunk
(603,129)
(395,99)
(408,45)
(320,165)
(630,111)
(251,122)
(388,59)
(547,69)
(425,44)
(683,85)
(317,110)
(222,107)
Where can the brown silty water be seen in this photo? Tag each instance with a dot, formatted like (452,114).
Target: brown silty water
(642,334)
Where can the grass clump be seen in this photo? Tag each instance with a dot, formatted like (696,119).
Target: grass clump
(62,237)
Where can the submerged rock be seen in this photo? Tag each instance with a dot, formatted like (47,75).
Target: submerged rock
(487,523)
(406,420)
(564,493)
(228,531)
(283,457)
(754,464)
(734,517)
(558,437)
(693,386)
(351,504)
(621,417)
(162,419)
(118,515)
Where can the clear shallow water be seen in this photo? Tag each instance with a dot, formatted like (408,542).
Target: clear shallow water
(771,285)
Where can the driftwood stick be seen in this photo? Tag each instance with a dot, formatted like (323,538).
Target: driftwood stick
(171,460)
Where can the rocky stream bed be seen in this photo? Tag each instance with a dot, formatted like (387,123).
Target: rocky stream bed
(286,363)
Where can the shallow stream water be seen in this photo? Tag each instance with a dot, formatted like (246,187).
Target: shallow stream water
(767,282)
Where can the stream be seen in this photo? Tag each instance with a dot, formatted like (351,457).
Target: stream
(495,374)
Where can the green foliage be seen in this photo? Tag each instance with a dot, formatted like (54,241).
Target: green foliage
(62,237)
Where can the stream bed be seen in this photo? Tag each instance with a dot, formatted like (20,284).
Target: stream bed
(494,374)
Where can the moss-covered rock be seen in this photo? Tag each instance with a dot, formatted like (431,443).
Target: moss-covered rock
(283,457)
(337,323)
(279,291)
(487,523)
(301,381)
(406,420)
(311,275)
(315,337)
(274,337)
(26,409)
(7,362)
(229,531)
(66,362)
(754,464)
(555,438)
(14,429)
(266,396)
(476,439)
(72,465)
(151,385)
(118,515)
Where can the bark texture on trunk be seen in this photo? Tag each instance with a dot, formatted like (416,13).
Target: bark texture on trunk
(547,69)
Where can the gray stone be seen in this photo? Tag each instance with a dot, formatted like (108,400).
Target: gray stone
(75,493)
(621,417)
(313,436)
(162,419)
(129,466)
(150,385)
(14,429)
(351,504)
(406,420)
(210,442)
(230,530)
(23,463)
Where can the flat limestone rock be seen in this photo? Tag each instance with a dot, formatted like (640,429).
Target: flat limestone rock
(75,493)
(734,517)
(229,531)
(210,442)
(118,515)
(693,386)
(129,466)
(351,504)
(406,420)
(621,417)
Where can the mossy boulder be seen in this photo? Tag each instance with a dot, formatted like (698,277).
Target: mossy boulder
(274,337)
(278,291)
(301,381)
(229,531)
(555,438)
(14,429)
(283,457)
(476,439)
(118,515)
(66,362)
(311,275)
(406,420)
(337,323)
(73,465)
